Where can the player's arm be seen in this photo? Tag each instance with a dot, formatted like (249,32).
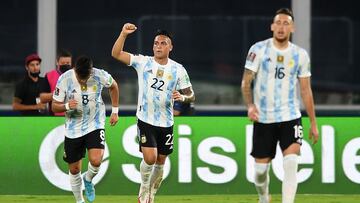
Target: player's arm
(246,91)
(114,96)
(45,97)
(118,48)
(58,107)
(18,106)
(187,95)
(307,97)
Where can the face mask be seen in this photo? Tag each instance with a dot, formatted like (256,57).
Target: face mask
(35,75)
(64,68)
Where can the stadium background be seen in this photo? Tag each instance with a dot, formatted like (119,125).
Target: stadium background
(212,38)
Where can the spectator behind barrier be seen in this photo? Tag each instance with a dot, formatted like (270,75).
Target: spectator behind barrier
(27,92)
(63,64)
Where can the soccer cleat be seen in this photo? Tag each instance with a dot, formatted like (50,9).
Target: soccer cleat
(143,195)
(269,198)
(89,190)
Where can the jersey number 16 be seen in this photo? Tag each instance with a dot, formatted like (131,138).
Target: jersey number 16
(279,72)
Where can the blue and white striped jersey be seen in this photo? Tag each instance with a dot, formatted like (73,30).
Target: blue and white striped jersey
(276,89)
(156,85)
(90,112)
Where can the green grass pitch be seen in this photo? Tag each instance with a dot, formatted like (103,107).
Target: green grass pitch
(300,198)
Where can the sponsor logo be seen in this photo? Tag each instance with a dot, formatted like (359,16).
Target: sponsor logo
(251,57)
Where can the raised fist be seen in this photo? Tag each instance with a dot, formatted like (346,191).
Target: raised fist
(128,28)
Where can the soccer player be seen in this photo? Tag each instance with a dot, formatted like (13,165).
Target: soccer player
(279,70)
(160,80)
(78,94)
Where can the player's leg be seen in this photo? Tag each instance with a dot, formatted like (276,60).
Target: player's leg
(74,152)
(146,167)
(147,145)
(75,181)
(290,164)
(165,148)
(264,149)
(95,143)
(157,176)
(262,179)
(290,142)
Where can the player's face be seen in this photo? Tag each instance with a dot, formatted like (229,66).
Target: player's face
(282,27)
(162,46)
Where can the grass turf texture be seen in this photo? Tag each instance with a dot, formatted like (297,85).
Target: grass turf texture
(300,198)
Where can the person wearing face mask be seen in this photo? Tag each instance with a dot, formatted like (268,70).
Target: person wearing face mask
(26,99)
(63,64)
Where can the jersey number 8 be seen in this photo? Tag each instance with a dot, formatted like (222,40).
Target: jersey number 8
(85,99)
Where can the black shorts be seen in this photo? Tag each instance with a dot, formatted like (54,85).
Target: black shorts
(74,149)
(266,137)
(161,138)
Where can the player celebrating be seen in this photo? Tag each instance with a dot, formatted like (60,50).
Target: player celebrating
(277,66)
(78,93)
(160,80)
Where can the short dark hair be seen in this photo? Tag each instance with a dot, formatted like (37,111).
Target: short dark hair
(83,66)
(63,53)
(285,11)
(165,33)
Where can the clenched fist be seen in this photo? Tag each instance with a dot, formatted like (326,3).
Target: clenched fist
(128,28)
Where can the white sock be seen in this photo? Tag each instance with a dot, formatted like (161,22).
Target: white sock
(262,181)
(156,178)
(289,184)
(145,171)
(75,182)
(91,172)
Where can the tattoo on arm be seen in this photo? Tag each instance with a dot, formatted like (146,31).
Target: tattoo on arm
(247,79)
(188,94)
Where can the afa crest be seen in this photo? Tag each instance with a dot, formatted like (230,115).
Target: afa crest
(280,59)
(143,139)
(159,73)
